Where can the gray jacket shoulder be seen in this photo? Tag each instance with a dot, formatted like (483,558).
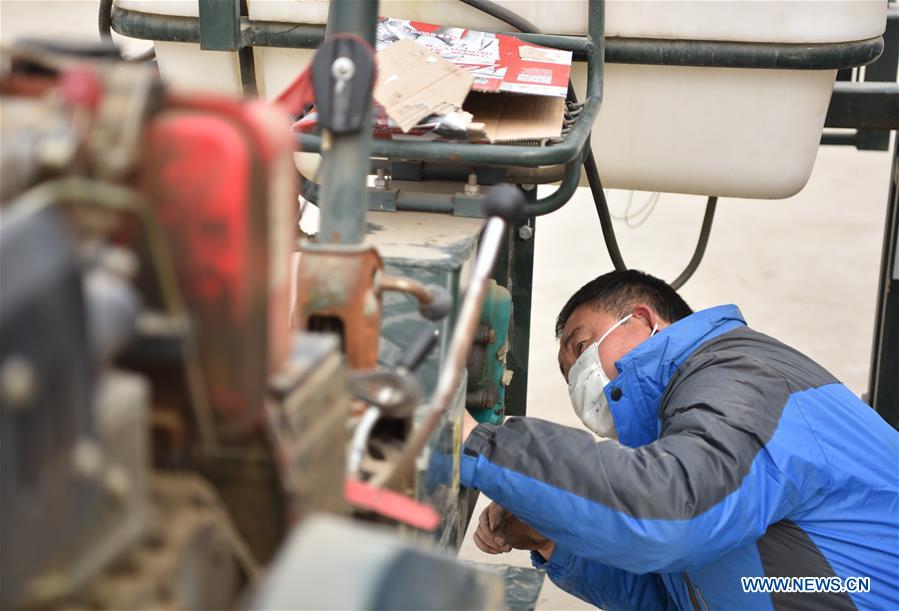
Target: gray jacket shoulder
(746,376)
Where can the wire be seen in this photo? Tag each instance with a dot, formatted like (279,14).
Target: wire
(637,218)
(599,198)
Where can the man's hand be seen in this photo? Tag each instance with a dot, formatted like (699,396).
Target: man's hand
(499,532)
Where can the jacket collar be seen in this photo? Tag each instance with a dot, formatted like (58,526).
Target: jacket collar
(645,371)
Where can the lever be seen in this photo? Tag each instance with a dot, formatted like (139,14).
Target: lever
(418,350)
(434,302)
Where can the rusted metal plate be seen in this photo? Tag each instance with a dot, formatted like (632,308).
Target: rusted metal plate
(335,292)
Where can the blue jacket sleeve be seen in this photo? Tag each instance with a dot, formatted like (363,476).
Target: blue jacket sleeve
(606,587)
(711,483)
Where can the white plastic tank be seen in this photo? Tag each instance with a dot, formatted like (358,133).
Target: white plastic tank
(732,132)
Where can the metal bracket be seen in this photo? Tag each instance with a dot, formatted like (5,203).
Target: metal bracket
(219,25)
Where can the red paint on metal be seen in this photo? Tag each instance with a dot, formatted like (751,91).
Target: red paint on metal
(391,505)
(81,87)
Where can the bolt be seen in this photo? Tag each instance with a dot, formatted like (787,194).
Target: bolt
(381,180)
(17,382)
(472,187)
(525,232)
(87,459)
(343,69)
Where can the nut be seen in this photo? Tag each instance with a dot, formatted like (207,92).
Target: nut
(472,188)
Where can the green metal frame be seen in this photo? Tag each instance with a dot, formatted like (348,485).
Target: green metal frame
(870,104)
(594,48)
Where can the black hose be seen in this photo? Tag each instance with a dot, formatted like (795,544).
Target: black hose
(602,211)
(104,20)
(599,197)
(701,244)
(104,26)
(505,15)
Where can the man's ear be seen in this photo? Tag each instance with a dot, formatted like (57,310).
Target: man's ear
(646,315)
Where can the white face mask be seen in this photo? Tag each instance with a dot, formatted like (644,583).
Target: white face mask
(586,383)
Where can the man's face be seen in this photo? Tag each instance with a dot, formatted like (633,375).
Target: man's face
(585,326)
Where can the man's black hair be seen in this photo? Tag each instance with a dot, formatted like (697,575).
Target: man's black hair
(618,292)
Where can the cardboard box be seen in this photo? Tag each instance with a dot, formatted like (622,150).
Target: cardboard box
(517,89)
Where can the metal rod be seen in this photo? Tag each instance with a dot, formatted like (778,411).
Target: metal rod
(562,194)
(353,16)
(360,439)
(345,158)
(457,355)
(406,285)
(883,386)
(646,51)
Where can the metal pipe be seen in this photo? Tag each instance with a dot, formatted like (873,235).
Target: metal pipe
(488,154)
(457,355)
(360,439)
(560,196)
(644,51)
(360,18)
(458,172)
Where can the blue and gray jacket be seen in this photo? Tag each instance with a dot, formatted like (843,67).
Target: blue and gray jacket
(738,457)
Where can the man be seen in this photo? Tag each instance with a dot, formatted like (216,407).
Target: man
(724,454)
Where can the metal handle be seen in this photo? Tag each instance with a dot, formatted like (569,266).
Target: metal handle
(418,350)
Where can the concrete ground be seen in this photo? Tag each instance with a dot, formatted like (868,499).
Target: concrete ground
(803,270)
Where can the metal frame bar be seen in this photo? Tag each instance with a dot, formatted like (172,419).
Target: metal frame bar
(660,52)
(345,161)
(493,154)
(871,105)
(219,25)
(883,386)
(594,48)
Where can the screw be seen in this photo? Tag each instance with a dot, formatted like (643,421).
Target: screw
(525,232)
(343,69)
(472,187)
(17,382)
